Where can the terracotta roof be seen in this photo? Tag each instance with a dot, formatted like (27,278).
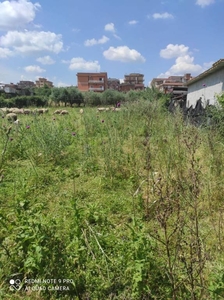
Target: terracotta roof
(216,66)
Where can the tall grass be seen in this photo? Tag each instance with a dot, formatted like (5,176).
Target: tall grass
(127,205)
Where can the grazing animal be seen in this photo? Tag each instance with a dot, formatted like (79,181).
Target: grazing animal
(64,112)
(5,110)
(81,111)
(116,109)
(10,110)
(17,122)
(27,111)
(100,109)
(57,112)
(17,111)
(11,117)
(41,111)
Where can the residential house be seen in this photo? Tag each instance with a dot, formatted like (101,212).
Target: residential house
(25,87)
(10,88)
(96,82)
(172,83)
(206,86)
(42,82)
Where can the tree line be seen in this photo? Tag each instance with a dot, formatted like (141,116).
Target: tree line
(70,96)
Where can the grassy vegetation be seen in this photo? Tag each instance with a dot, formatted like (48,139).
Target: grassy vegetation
(127,205)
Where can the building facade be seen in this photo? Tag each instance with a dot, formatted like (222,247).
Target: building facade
(42,82)
(25,84)
(206,86)
(126,87)
(132,81)
(96,82)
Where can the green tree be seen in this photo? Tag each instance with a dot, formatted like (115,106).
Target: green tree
(93,98)
(75,96)
(55,95)
(43,91)
(64,95)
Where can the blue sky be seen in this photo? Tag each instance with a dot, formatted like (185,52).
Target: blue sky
(159,38)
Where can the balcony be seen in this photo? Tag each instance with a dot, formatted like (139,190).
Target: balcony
(96,81)
(96,89)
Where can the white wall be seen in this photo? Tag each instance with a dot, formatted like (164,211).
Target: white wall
(213,85)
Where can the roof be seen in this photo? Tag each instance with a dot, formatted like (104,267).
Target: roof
(133,74)
(91,73)
(215,67)
(173,84)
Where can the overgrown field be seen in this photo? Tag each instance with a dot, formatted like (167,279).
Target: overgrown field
(124,205)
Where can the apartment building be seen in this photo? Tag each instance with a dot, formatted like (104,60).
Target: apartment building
(96,82)
(133,81)
(25,84)
(42,82)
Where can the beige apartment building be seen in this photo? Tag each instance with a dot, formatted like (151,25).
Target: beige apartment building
(42,82)
(96,82)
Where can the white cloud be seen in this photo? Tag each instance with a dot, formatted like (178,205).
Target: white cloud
(165,15)
(132,22)
(204,3)
(123,54)
(45,60)
(34,69)
(184,62)
(109,27)
(79,63)
(38,26)
(76,30)
(5,52)
(116,36)
(172,51)
(208,65)
(16,14)
(33,41)
(92,42)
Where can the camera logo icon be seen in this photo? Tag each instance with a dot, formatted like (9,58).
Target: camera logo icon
(14,284)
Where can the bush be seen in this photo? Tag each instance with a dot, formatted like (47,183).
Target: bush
(7,102)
